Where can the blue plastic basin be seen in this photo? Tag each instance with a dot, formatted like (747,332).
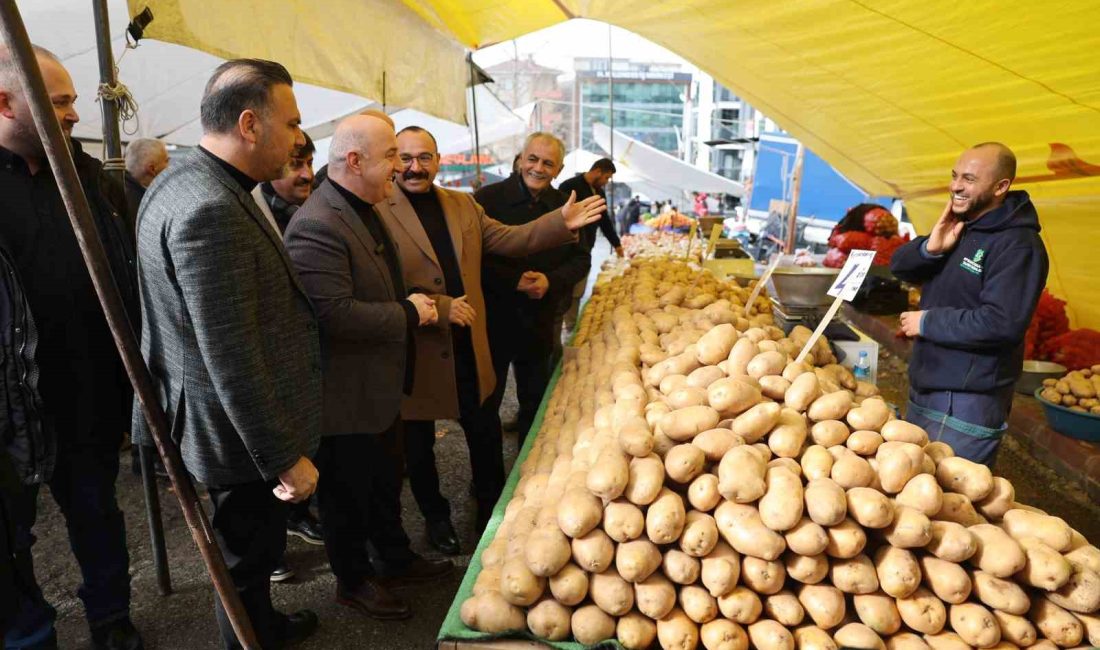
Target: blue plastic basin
(1083,426)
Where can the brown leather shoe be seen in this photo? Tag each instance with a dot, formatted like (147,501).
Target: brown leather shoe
(421,569)
(374,600)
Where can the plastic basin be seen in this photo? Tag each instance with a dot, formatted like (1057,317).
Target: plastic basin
(1082,426)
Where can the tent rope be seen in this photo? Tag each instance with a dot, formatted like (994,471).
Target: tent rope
(120,94)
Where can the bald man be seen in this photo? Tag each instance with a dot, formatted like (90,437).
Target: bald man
(982,269)
(350,267)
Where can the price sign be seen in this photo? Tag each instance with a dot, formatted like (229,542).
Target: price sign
(691,238)
(715,234)
(851,277)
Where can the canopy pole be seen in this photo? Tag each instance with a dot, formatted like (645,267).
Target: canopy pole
(796,190)
(113,142)
(611,105)
(91,247)
(477,134)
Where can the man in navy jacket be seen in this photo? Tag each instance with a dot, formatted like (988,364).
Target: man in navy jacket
(982,268)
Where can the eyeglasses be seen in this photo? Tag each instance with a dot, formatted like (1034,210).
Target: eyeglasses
(423,159)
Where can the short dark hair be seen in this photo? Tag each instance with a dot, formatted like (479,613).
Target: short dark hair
(420,129)
(604,165)
(1006,160)
(236,86)
(306,149)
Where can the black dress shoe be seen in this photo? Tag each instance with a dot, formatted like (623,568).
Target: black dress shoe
(299,626)
(442,537)
(422,570)
(374,600)
(282,572)
(119,635)
(307,528)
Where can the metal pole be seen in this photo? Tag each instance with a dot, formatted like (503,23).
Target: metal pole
(796,189)
(113,141)
(611,120)
(91,247)
(477,134)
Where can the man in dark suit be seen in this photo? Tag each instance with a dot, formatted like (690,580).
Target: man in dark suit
(351,269)
(230,336)
(146,158)
(523,294)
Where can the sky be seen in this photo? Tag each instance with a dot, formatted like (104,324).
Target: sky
(557,46)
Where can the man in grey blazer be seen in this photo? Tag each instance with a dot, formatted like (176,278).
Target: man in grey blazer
(229,334)
(351,269)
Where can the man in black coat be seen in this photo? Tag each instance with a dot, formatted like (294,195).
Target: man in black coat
(146,158)
(523,295)
(83,384)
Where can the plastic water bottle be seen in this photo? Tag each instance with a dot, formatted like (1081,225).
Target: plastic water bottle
(862,371)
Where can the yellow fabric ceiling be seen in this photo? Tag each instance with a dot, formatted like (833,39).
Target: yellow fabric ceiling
(887,91)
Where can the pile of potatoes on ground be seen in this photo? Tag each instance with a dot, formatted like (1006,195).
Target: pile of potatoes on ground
(1078,391)
(694,487)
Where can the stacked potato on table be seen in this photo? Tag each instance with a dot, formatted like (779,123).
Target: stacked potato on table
(693,486)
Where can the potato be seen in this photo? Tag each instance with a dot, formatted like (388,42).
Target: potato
(675,631)
(902,431)
(550,620)
(1056,623)
(518,585)
(1015,629)
(1045,568)
(683,424)
(637,560)
(878,612)
(824,604)
(699,605)
(635,631)
(664,520)
(1087,555)
(492,614)
(682,463)
(816,462)
(716,442)
(857,635)
(623,521)
(754,423)
(1081,593)
(766,634)
(647,477)
(864,442)
(921,493)
(947,580)
(870,508)
(784,608)
(655,596)
(938,451)
(741,475)
(715,345)
(570,585)
(762,576)
(789,464)
(703,493)
(946,641)
(898,573)
(594,552)
(591,625)
(722,634)
(705,376)
(806,538)
(741,527)
(922,612)
(996,552)
(741,605)
(871,414)
(998,501)
(788,435)
(846,540)
(635,438)
(952,542)
(1092,627)
(609,476)
(898,463)
(958,508)
(804,389)
(833,406)
(807,569)
(680,567)
(781,506)
(700,534)
(721,570)
(999,594)
(854,575)
(774,387)
(826,502)
(766,363)
(910,528)
(547,551)
(732,396)
(579,512)
(1051,531)
(829,433)
(965,477)
(851,471)
(906,641)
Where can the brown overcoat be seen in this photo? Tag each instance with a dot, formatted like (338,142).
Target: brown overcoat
(435,395)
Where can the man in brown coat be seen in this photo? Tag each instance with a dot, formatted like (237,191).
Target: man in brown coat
(349,266)
(441,235)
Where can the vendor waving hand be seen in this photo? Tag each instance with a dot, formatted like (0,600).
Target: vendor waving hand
(982,269)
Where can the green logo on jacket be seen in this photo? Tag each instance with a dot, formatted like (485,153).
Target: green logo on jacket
(974,265)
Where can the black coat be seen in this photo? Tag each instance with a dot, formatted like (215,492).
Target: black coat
(588,234)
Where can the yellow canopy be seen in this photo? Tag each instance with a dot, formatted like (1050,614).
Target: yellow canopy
(888,92)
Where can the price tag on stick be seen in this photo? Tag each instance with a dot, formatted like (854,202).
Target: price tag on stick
(715,234)
(691,238)
(761,282)
(845,287)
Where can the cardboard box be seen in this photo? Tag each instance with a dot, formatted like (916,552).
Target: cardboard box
(852,349)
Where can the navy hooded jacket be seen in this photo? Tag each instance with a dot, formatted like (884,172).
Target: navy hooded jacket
(978,300)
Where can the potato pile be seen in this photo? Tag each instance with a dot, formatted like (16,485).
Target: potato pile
(693,487)
(1078,391)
